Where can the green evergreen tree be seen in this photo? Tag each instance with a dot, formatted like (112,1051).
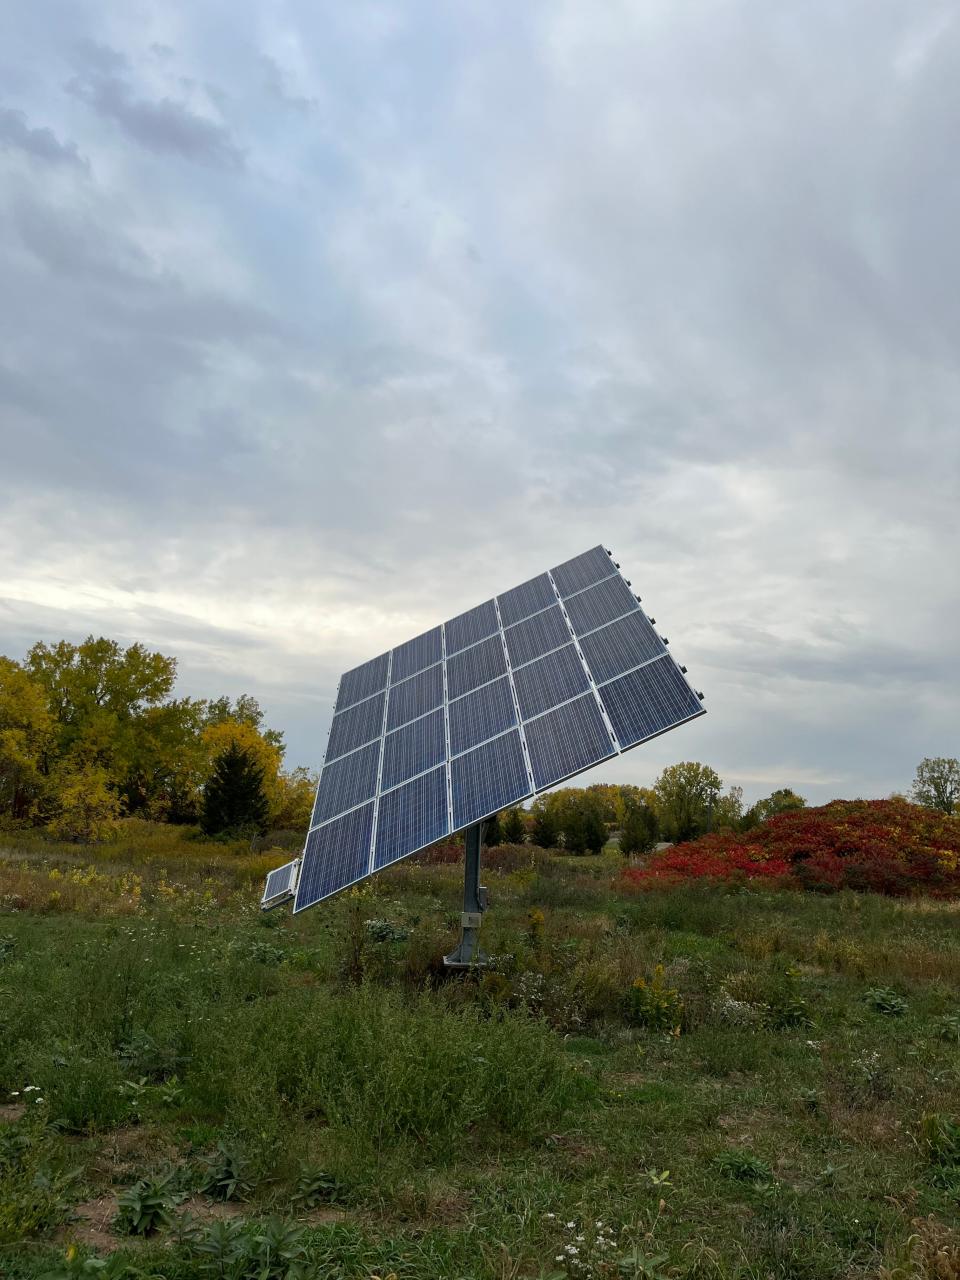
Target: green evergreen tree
(594,827)
(574,828)
(545,832)
(640,829)
(234,800)
(514,831)
(492,833)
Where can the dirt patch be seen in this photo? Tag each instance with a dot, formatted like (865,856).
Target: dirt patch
(91,1226)
(11,1112)
(124,1154)
(212,1210)
(321,1217)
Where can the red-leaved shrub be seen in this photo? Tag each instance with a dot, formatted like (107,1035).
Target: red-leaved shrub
(884,846)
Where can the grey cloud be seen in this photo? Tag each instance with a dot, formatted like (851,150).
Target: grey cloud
(42,143)
(162,126)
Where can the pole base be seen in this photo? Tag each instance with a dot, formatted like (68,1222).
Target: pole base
(466,956)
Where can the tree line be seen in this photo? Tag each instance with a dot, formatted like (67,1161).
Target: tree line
(91,732)
(685,801)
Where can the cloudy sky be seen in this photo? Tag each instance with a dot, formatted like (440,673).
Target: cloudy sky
(321,322)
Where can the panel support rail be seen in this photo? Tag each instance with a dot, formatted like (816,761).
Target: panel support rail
(468,954)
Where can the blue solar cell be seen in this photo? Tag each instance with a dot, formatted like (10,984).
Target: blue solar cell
(537,635)
(599,605)
(358,724)
(566,740)
(488,779)
(529,597)
(416,696)
(621,646)
(337,855)
(476,665)
(481,715)
(467,628)
(345,782)
(359,683)
(646,702)
(412,656)
(280,881)
(581,571)
(416,747)
(411,817)
(544,683)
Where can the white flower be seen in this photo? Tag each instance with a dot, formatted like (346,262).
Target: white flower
(31,1088)
(38,1099)
(571,1225)
(15,1094)
(598,1224)
(550,1216)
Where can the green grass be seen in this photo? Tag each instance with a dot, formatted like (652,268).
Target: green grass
(797,1126)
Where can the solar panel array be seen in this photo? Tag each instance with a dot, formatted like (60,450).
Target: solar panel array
(485,710)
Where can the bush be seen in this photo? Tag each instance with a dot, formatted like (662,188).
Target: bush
(881,846)
(654,1005)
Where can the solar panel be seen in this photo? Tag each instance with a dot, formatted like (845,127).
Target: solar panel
(502,701)
(279,886)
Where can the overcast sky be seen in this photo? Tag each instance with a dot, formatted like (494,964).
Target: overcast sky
(321,322)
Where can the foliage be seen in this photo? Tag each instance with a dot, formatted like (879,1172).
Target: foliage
(492,832)
(237,1250)
(728,810)
(513,826)
(146,1206)
(940,1139)
(885,846)
(640,828)
(685,794)
(294,799)
(654,1004)
(742,1166)
(226,1175)
(26,732)
(780,801)
(884,1000)
(234,800)
(571,816)
(92,730)
(87,808)
(33,1190)
(937,784)
(316,1186)
(545,831)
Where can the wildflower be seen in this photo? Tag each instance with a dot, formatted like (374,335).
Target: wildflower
(15,1094)
(38,1099)
(31,1088)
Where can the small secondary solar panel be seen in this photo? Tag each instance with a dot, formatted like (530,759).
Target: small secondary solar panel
(503,701)
(279,886)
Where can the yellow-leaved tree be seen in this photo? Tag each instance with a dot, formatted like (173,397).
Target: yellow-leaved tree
(26,733)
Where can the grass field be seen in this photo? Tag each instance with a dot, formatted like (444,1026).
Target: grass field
(193,1089)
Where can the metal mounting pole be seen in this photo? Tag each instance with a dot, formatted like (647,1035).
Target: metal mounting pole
(467,954)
